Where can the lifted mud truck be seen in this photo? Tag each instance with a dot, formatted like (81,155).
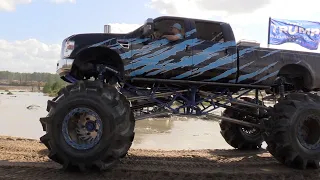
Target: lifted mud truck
(116,79)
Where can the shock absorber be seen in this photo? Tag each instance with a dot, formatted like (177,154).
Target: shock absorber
(280,81)
(101,69)
(281,90)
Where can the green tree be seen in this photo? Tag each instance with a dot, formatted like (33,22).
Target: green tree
(53,89)
(46,88)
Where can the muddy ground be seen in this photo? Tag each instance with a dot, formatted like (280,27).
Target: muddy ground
(26,159)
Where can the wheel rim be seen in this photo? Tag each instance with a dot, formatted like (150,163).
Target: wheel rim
(249,131)
(308,132)
(82,128)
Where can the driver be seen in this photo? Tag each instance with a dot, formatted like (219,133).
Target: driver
(176,30)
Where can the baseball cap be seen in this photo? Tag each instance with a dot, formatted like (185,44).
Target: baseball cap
(177,25)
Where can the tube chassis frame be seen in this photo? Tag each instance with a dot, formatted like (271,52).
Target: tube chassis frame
(194,101)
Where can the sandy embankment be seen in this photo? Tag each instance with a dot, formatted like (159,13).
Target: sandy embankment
(26,159)
(20,88)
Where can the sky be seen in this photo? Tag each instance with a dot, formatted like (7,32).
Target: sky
(32,30)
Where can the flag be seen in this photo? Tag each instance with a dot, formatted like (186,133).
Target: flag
(303,33)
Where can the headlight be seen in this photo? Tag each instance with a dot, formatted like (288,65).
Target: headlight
(67,48)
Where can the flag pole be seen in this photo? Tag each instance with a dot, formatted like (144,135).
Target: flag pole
(269,31)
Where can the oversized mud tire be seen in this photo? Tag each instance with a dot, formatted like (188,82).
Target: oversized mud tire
(237,136)
(293,131)
(89,125)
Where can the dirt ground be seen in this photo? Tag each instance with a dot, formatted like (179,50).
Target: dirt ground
(26,159)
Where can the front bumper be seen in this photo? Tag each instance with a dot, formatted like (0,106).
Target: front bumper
(64,66)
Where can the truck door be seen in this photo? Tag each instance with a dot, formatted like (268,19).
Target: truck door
(179,54)
(215,58)
(159,57)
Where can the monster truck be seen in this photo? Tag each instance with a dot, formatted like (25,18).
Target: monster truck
(116,79)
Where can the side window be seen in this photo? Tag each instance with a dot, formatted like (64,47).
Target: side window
(163,27)
(209,31)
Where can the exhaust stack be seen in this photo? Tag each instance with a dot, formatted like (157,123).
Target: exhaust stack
(107,28)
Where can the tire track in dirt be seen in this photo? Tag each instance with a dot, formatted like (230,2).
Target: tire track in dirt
(27,159)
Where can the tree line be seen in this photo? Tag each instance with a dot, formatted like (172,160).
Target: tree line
(26,79)
(49,83)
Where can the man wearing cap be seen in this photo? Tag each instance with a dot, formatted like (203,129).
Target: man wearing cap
(176,30)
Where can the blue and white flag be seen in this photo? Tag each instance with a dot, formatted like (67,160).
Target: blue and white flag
(304,33)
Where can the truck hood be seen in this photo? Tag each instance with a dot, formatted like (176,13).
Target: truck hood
(82,41)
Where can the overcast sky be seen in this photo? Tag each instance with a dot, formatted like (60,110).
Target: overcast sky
(32,30)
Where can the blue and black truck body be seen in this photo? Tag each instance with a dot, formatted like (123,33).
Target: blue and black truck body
(208,52)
